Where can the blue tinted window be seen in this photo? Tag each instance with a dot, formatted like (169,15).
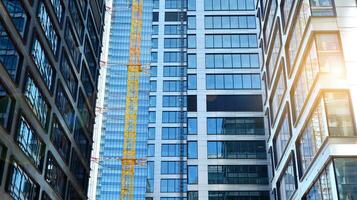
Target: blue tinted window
(48,27)
(20,185)
(36,101)
(42,63)
(192,174)
(192,125)
(18,15)
(192,149)
(30,143)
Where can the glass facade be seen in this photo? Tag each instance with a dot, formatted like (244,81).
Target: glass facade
(109,174)
(45,140)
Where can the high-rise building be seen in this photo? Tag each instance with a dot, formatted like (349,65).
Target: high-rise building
(310,97)
(110,122)
(206,133)
(49,64)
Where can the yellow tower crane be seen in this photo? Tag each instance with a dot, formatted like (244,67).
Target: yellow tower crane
(129,159)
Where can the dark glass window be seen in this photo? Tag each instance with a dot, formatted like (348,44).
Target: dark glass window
(236,149)
(79,171)
(235,126)
(72,193)
(76,18)
(88,85)
(30,143)
(2,158)
(92,65)
(237,174)
(48,27)
(93,34)
(45,196)
(192,195)
(72,45)
(7,104)
(85,111)
(20,186)
(60,140)
(42,63)
(55,177)
(173,167)
(18,15)
(192,174)
(155,16)
(234,103)
(69,75)
(9,57)
(175,16)
(64,106)
(36,101)
(58,8)
(238,195)
(81,140)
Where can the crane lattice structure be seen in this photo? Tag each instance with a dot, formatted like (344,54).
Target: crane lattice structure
(129,159)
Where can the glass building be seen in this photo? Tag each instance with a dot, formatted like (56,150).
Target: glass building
(310,96)
(206,128)
(49,64)
(110,126)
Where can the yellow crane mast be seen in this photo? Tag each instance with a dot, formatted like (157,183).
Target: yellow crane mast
(129,159)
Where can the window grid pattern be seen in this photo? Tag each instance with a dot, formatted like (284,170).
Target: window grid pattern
(229,41)
(232,81)
(219,61)
(230,22)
